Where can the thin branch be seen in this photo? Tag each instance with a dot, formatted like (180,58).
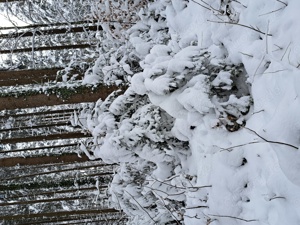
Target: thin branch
(289,57)
(8,17)
(258,111)
(164,204)
(237,146)
(276,10)
(212,8)
(184,188)
(197,207)
(256,142)
(242,25)
(279,48)
(201,5)
(120,208)
(286,50)
(141,207)
(251,56)
(267,47)
(154,189)
(276,71)
(258,67)
(239,3)
(210,221)
(278,197)
(170,178)
(192,217)
(282,2)
(233,217)
(273,142)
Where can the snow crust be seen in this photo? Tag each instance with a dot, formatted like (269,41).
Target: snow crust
(212,117)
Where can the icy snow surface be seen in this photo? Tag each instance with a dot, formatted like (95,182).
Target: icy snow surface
(252,173)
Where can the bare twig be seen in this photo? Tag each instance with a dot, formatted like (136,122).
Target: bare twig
(184,188)
(276,197)
(233,217)
(289,57)
(154,189)
(197,207)
(282,2)
(242,25)
(255,73)
(279,48)
(141,207)
(164,204)
(120,208)
(256,142)
(276,71)
(285,51)
(170,178)
(239,3)
(210,8)
(209,221)
(201,5)
(273,142)
(237,146)
(7,16)
(251,56)
(267,47)
(196,216)
(258,111)
(276,10)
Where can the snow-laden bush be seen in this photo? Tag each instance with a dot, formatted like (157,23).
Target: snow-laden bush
(129,130)
(208,130)
(119,57)
(146,129)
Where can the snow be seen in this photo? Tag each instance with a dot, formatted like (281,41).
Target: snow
(215,104)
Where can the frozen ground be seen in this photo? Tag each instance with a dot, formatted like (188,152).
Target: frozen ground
(222,78)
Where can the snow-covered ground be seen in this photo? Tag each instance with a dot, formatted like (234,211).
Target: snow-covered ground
(208,130)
